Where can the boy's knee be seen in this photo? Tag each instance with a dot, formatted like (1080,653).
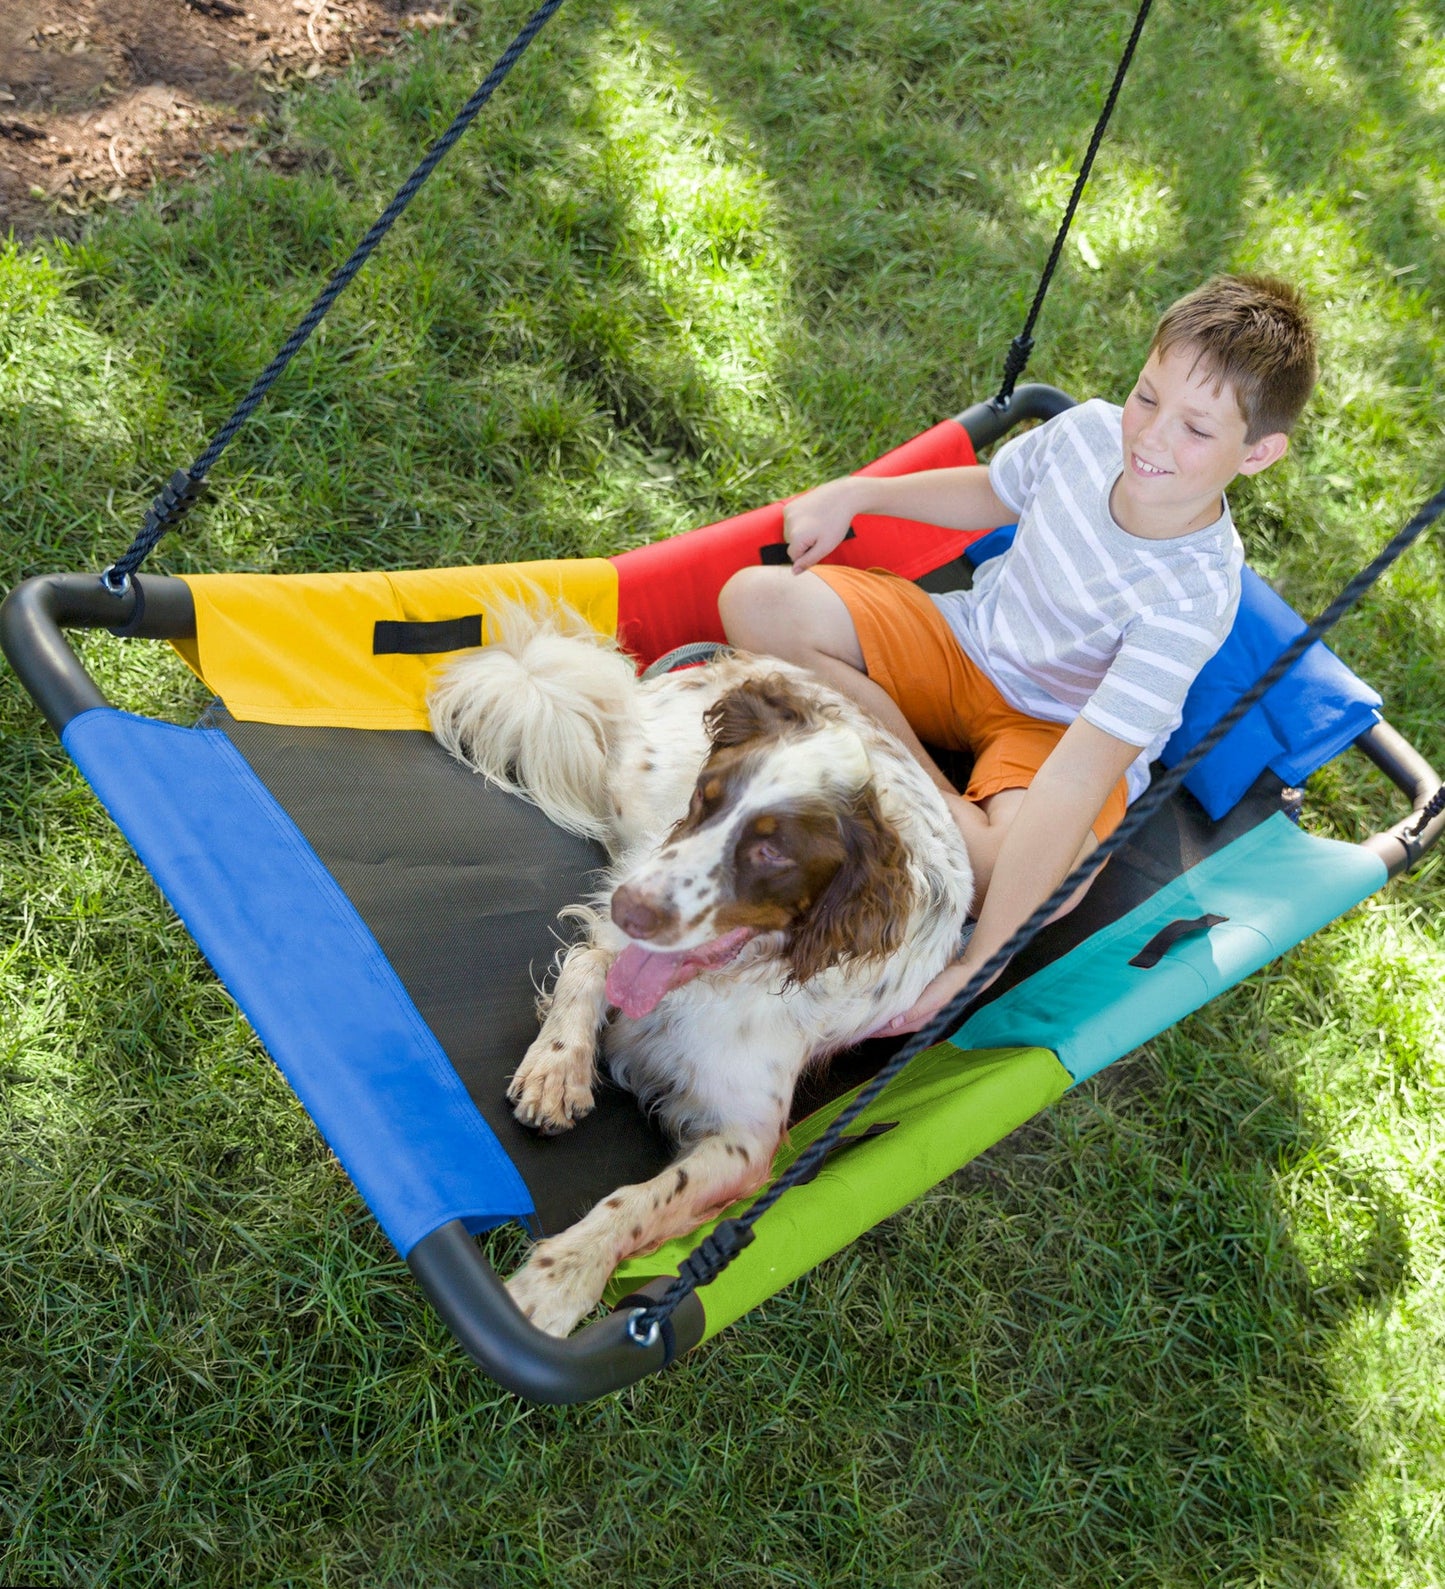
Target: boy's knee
(751,605)
(797,617)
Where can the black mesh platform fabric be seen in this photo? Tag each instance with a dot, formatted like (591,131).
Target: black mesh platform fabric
(461,885)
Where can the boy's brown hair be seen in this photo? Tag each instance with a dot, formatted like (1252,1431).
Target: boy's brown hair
(1256,337)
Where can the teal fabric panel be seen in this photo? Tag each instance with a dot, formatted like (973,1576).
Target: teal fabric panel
(1275,884)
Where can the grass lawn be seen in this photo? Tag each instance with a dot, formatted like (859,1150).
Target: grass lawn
(1187,1328)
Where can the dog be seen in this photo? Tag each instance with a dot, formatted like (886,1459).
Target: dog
(785,879)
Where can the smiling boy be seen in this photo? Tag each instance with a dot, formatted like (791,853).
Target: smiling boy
(1064,669)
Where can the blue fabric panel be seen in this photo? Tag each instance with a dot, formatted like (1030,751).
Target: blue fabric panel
(1276,885)
(1307,719)
(1311,715)
(305,969)
(994,544)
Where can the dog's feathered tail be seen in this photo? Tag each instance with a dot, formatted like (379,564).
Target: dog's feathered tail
(536,711)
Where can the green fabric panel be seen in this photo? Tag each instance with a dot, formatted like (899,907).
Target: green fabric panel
(949,1106)
(1276,885)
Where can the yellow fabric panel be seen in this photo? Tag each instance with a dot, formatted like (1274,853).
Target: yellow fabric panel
(296,648)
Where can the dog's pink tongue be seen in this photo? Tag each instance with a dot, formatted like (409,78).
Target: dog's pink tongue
(640,976)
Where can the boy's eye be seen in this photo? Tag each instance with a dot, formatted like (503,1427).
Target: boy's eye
(1195,431)
(1148,402)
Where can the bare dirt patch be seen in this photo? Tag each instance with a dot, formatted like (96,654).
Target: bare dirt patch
(100,99)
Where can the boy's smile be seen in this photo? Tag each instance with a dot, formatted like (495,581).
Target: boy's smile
(1184,441)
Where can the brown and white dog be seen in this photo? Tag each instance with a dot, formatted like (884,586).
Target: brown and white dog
(785,879)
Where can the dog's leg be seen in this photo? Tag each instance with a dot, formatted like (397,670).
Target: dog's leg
(552,1088)
(566,1275)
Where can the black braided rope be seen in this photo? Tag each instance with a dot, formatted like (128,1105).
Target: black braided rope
(713,1255)
(1023,344)
(185,485)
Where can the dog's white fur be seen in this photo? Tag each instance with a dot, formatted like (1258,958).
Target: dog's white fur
(553,712)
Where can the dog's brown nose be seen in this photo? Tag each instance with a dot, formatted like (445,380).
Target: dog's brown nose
(637,916)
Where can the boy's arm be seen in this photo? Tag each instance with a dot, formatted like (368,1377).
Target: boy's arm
(956,499)
(1049,835)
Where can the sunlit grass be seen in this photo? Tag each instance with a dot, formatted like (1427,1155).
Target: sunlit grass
(1187,1328)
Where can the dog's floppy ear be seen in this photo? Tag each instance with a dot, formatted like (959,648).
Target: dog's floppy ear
(755,708)
(865,908)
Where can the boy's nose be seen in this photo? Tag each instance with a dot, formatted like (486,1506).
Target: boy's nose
(1150,429)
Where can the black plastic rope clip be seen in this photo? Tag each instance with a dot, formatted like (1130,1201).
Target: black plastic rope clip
(645,1325)
(715,1252)
(1014,365)
(1427,813)
(175,499)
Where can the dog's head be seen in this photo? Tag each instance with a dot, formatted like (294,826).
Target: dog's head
(783,835)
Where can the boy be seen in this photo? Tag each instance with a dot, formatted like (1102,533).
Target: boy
(1065,668)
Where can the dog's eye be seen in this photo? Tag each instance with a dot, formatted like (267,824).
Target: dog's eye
(766,857)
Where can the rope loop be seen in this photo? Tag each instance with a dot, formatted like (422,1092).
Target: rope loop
(1013,367)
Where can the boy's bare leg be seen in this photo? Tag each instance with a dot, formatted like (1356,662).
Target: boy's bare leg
(984,841)
(801,619)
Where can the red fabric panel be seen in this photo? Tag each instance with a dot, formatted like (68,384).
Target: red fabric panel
(667,592)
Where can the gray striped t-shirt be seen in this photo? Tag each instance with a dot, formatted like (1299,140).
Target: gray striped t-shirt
(1079,617)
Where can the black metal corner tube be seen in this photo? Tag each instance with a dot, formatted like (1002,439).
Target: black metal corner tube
(1401,846)
(474,1304)
(34,616)
(992,419)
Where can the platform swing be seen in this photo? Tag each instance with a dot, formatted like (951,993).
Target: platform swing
(377,912)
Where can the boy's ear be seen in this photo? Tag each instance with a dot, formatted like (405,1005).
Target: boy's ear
(1262,453)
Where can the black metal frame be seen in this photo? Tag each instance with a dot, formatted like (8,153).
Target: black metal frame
(451,1268)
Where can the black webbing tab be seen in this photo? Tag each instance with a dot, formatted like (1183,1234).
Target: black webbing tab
(393,637)
(879,1128)
(776,552)
(1165,939)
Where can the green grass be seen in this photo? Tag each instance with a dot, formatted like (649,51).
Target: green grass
(1187,1328)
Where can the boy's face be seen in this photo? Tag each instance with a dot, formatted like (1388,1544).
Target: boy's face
(1183,443)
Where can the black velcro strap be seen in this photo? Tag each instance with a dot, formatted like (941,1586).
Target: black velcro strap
(1165,939)
(393,638)
(776,552)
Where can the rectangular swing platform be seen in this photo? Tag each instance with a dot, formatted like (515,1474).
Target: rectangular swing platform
(382,916)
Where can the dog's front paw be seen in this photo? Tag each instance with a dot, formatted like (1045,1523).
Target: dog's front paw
(556,1288)
(552,1089)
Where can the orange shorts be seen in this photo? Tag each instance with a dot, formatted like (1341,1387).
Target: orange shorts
(948,700)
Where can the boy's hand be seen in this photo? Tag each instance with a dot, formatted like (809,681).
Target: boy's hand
(944,988)
(817,521)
